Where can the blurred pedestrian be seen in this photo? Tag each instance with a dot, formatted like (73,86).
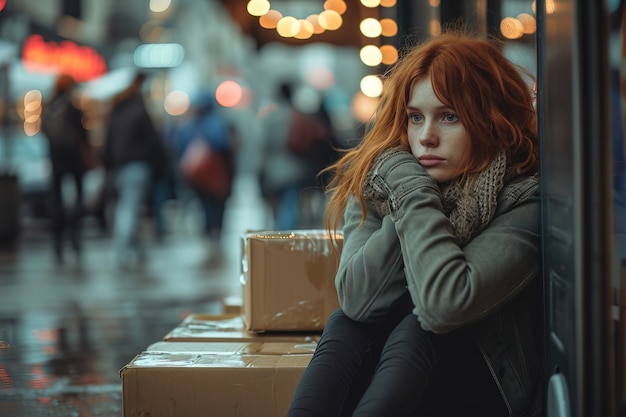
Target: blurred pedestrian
(71,155)
(134,155)
(296,147)
(205,146)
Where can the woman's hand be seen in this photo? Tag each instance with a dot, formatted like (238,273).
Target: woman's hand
(377,190)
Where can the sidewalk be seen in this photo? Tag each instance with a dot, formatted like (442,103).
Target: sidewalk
(65,332)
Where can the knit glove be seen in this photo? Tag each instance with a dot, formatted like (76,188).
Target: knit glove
(393,172)
(375,190)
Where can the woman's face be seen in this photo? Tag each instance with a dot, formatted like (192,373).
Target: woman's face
(436,135)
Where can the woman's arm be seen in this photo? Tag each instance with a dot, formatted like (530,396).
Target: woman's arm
(452,286)
(370,277)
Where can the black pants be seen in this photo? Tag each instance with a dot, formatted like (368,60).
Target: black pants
(395,368)
(65,221)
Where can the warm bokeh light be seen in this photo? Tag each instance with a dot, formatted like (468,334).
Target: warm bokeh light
(387,3)
(370,55)
(389,27)
(370,27)
(330,20)
(288,27)
(32,119)
(30,128)
(258,7)
(528,22)
(32,97)
(228,94)
(270,19)
(433,3)
(435,27)
(321,78)
(314,20)
(176,103)
(390,54)
(511,28)
(31,112)
(337,5)
(550,6)
(370,3)
(371,86)
(363,107)
(293,27)
(159,6)
(306,29)
(82,62)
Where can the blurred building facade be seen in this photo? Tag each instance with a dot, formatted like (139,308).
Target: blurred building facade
(193,47)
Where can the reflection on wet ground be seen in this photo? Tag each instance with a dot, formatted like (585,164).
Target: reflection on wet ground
(66,331)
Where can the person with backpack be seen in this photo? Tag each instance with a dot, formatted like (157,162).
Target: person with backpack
(205,146)
(62,124)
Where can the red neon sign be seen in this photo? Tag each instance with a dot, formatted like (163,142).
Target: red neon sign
(67,57)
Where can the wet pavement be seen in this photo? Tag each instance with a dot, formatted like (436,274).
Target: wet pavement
(66,331)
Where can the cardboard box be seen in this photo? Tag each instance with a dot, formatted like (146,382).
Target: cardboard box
(213,379)
(232,305)
(229,328)
(288,280)
(234,348)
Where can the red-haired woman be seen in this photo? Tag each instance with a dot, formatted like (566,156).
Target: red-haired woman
(439,278)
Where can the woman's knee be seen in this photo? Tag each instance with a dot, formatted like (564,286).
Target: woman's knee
(410,345)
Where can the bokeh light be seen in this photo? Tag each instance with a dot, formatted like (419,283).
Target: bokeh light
(363,107)
(511,28)
(370,27)
(314,20)
(288,27)
(159,6)
(370,55)
(389,27)
(176,103)
(337,5)
(330,20)
(321,78)
(306,29)
(370,3)
(528,22)
(371,86)
(435,27)
(390,54)
(258,7)
(270,19)
(229,93)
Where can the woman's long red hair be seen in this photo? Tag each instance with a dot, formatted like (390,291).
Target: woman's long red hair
(470,75)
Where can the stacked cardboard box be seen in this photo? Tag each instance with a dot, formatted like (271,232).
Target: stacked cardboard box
(229,328)
(247,361)
(287,280)
(214,379)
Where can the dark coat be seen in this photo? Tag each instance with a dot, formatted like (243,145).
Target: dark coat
(131,137)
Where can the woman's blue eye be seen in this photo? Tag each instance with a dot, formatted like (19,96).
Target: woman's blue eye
(450,117)
(416,118)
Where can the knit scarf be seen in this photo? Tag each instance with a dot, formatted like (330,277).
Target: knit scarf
(471,208)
